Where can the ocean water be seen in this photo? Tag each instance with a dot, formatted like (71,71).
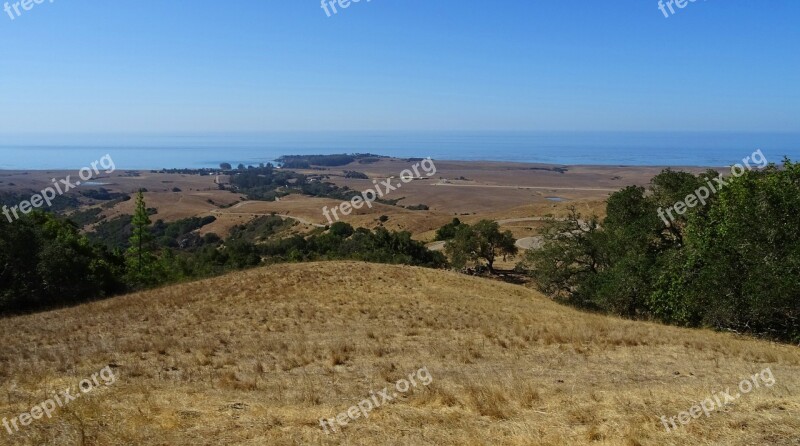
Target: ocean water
(209,150)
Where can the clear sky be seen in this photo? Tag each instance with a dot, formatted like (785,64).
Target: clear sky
(266,65)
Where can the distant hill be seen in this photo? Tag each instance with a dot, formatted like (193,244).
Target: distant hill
(258,357)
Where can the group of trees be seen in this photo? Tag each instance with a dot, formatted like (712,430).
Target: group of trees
(448,231)
(45,261)
(732,264)
(262,183)
(336,160)
(259,242)
(266,182)
(356,175)
(343,242)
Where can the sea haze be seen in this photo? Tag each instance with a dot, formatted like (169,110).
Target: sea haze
(209,150)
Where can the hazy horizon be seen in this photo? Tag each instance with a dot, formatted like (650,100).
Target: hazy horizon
(208,150)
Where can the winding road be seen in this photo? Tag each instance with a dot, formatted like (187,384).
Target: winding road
(589,189)
(262,214)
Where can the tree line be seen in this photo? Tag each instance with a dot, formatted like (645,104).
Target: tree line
(731,264)
(46,262)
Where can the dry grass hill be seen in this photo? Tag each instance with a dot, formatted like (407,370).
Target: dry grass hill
(258,357)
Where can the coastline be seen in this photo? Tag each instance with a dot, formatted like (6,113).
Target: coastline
(587,149)
(499,164)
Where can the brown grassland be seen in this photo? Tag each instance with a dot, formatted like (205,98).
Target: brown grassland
(258,357)
(470,190)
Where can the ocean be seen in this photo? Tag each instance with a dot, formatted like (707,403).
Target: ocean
(712,149)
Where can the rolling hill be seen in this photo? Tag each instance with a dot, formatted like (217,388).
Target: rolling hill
(259,357)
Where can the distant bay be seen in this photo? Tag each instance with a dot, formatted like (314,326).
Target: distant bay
(18,152)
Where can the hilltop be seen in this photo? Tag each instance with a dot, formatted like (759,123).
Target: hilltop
(258,357)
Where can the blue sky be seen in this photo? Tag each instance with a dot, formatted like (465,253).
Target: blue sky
(267,65)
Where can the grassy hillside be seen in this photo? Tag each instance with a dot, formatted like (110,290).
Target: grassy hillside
(259,357)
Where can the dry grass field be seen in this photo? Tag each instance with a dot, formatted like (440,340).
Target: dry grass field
(469,190)
(258,357)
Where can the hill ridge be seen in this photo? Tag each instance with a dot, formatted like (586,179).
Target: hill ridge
(259,356)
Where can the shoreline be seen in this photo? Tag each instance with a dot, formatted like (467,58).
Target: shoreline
(486,163)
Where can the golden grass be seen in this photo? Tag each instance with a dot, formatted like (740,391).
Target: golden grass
(259,357)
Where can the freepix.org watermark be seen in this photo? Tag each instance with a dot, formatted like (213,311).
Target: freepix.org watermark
(15,9)
(60,187)
(370,195)
(48,407)
(703,193)
(719,400)
(367,405)
(671,5)
(344,4)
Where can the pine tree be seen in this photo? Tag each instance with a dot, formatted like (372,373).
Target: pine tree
(140,259)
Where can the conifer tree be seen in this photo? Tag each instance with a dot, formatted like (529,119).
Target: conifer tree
(140,259)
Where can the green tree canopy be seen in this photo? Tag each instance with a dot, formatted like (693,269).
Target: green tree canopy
(483,241)
(732,264)
(46,262)
(448,231)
